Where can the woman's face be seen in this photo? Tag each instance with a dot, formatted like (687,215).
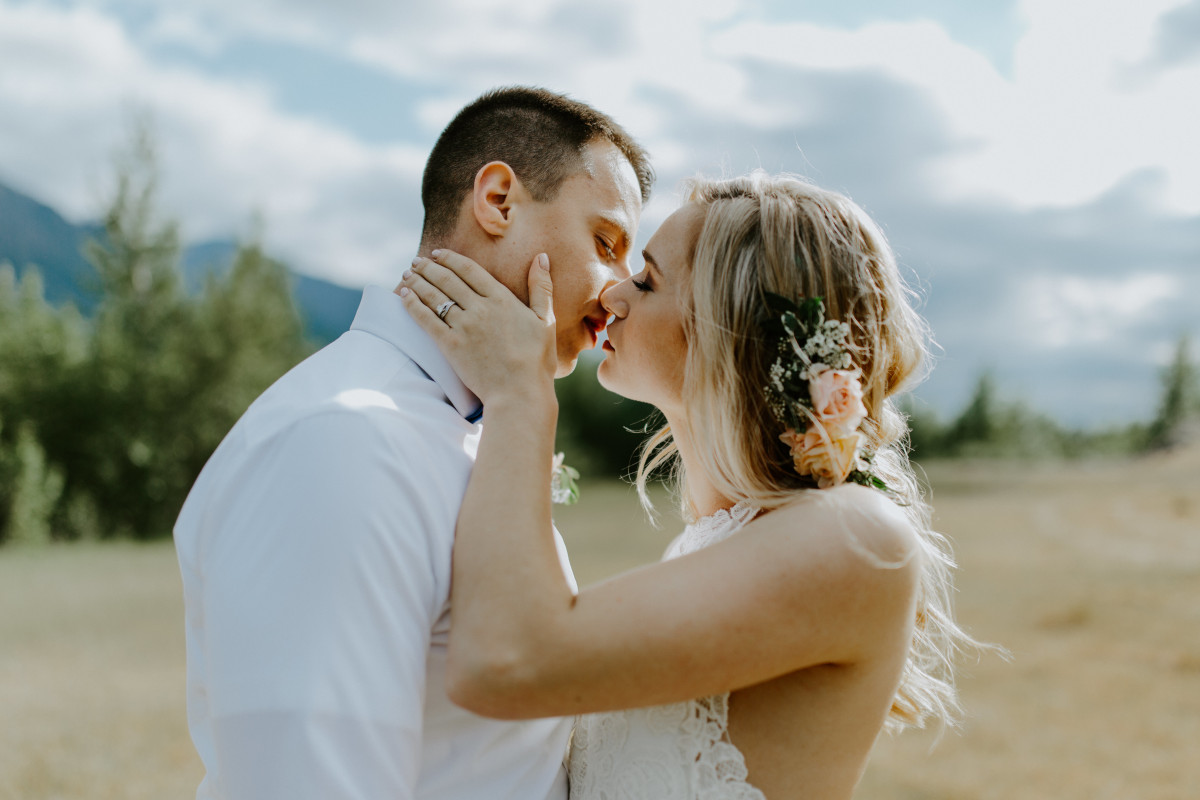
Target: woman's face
(646,347)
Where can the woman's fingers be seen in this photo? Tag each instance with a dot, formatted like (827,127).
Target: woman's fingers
(444,280)
(429,295)
(422,313)
(495,343)
(541,289)
(473,275)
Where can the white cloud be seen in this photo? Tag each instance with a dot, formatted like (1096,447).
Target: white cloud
(610,56)
(328,200)
(1073,129)
(181,27)
(1060,132)
(920,53)
(1071,122)
(1073,311)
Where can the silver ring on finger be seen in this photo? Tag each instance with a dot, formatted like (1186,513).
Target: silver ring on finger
(444,309)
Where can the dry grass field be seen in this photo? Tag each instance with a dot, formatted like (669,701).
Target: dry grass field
(1089,575)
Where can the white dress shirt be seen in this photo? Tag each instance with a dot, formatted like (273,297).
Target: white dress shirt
(315,549)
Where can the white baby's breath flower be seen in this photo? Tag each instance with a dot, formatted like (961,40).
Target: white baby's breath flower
(777,373)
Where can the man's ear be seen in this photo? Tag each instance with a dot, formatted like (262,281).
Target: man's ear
(497,191)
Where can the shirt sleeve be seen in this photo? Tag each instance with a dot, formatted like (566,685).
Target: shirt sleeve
(322,580)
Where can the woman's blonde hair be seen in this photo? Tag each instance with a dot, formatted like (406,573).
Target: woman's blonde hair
(781,234)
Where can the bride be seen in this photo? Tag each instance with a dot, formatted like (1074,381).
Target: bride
(806,607)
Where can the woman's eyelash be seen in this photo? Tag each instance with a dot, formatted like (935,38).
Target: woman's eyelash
(641,286)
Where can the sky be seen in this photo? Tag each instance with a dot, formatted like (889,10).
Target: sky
(1033,163)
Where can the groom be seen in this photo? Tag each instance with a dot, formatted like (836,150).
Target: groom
(315,546)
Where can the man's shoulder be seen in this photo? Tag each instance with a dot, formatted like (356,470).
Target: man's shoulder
(365,423)
(356,383)
(357,448)
(338,406)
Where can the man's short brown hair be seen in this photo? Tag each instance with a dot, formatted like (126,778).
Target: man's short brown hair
(540,134)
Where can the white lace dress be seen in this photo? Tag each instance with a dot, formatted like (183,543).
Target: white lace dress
(675,752)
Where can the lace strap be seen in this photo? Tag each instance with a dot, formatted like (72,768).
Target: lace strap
(711,529)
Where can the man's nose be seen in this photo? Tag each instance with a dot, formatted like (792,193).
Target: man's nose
(620,268)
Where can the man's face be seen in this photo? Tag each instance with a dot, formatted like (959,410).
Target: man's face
(587,230)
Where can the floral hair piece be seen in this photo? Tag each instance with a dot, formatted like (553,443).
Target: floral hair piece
(815,392)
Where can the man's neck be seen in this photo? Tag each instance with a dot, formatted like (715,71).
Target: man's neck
(482,253)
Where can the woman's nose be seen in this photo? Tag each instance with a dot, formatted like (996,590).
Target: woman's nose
(613,299)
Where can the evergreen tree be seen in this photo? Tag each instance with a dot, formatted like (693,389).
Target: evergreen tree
(1178,403)
(170,374)
(977,423)
(991,428)
(115,434)
(107,424)
(247,332)
(926,435)
(8,481)
(35,489)
(40,347)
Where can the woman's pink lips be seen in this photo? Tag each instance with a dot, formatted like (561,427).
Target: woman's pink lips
(608,346)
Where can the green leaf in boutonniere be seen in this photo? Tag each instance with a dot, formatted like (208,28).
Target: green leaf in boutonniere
(564,488)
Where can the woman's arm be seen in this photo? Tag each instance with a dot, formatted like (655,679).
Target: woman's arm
(790,591)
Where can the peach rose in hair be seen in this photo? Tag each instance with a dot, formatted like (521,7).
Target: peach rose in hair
(829,458)
(792,439)
(837,399)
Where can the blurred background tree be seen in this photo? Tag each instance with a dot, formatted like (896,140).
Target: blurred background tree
(40,347)
(992,427)
(1179,407)
(108,421)
(599,431)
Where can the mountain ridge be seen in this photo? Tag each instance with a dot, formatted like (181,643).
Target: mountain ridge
(34,234)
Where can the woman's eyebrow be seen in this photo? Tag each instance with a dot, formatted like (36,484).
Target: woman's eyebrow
(651,263)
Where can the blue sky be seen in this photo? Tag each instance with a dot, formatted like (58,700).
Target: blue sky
(1033,163)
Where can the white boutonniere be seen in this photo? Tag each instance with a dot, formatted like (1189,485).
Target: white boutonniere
(563,486)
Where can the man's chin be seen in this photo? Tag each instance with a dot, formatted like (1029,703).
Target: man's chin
(568,357)
(566,366)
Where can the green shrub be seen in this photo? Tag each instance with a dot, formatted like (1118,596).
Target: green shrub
(36,487)
(128,406)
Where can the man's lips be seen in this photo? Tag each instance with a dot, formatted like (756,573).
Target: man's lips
(595,324)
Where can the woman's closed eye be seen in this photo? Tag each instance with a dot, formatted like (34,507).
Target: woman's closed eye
(642,285)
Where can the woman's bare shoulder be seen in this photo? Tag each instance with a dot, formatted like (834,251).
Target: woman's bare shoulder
(852,529)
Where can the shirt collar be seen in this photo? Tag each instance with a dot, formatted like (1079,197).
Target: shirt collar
(382,313)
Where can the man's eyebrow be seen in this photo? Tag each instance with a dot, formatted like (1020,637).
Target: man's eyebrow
(619,225)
